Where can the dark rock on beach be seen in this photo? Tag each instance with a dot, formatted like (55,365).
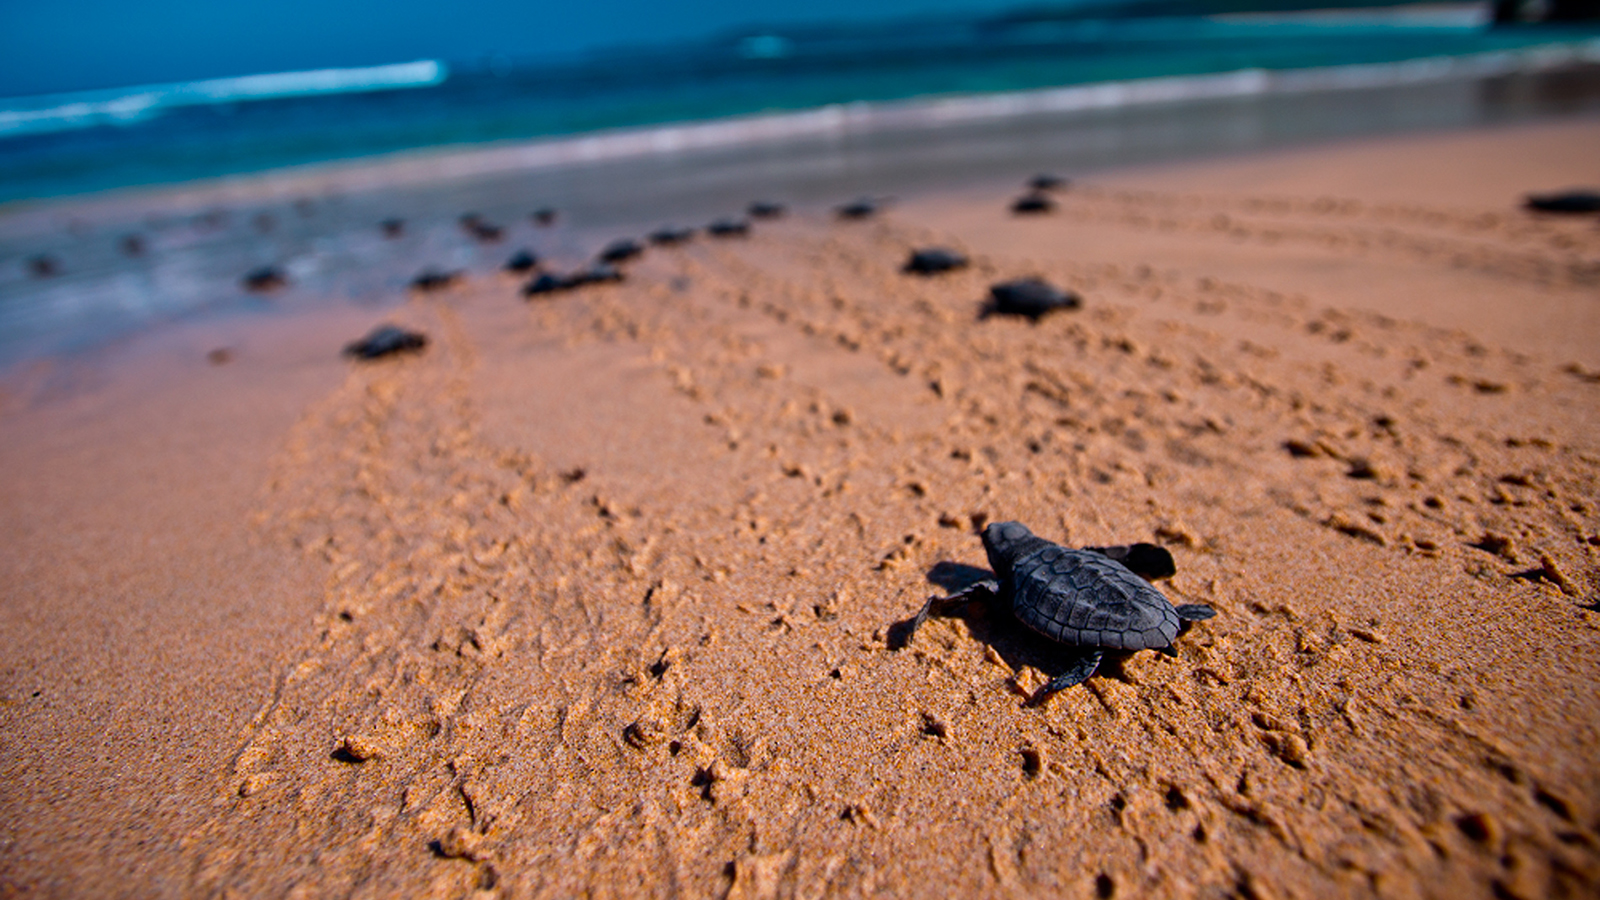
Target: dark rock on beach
(385,340)
(543,217)
(933,260)
(1030,297)
(1044,181)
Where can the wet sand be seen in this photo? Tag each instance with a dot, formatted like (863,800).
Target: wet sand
(606,594)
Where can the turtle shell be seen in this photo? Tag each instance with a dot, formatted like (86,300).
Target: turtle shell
(1078,597)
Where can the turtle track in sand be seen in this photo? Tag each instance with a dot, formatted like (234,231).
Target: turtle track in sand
(543,667)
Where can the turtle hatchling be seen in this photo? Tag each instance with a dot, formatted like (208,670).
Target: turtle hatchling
(1033,203)
(386,340)
(933,260)
(1085,599)
(620,250)
(725,228)
(1029,297)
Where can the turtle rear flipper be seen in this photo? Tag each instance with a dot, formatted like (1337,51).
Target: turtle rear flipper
(1194,612)
(1087,663)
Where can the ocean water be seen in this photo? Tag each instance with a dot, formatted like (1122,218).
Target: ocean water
(680,135)
(71,144)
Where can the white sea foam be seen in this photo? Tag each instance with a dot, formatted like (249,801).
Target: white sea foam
(59,112)
(841,120)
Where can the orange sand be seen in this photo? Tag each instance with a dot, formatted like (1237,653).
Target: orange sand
(600,595)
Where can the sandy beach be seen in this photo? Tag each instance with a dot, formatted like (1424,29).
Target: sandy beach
(606,593)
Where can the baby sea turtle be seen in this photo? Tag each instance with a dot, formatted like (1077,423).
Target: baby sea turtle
(1081,598)
(549,283)
(668,236)
(765,209)
(620,250)
(725,228)
(1572,202)
(392,228)
(385,340)
(522,261)
(860,208)
(1045,181)
(597,273)
(543,217)
(545,283)
(1033,203)
(264,279)
(933,260)
(477,228)
(1031,297)
(45,266)
(436,280)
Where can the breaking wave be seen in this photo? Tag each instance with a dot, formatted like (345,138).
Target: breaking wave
(61,112)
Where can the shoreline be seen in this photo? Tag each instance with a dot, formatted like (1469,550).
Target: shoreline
(837,122)
(323,225)
(600,594)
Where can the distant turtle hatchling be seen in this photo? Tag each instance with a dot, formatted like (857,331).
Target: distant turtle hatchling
(386,340)
(429,280)
(859,208)
(1030,297)
(1085,599)
(522,261)
(668,236)
(726,228)
(1033,203)
(620,250)
(934,260)
(765,209)
(1574,202)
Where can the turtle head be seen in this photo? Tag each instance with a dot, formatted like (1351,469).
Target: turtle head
(1002,541)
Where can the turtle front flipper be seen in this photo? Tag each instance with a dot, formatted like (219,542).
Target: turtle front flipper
(1194,612)
(1087,663)
(1147,561)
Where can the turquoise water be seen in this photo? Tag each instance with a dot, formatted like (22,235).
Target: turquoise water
(682,135)
(50,147)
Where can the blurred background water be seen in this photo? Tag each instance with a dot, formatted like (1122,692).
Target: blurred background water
(88,141)
(807,114)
